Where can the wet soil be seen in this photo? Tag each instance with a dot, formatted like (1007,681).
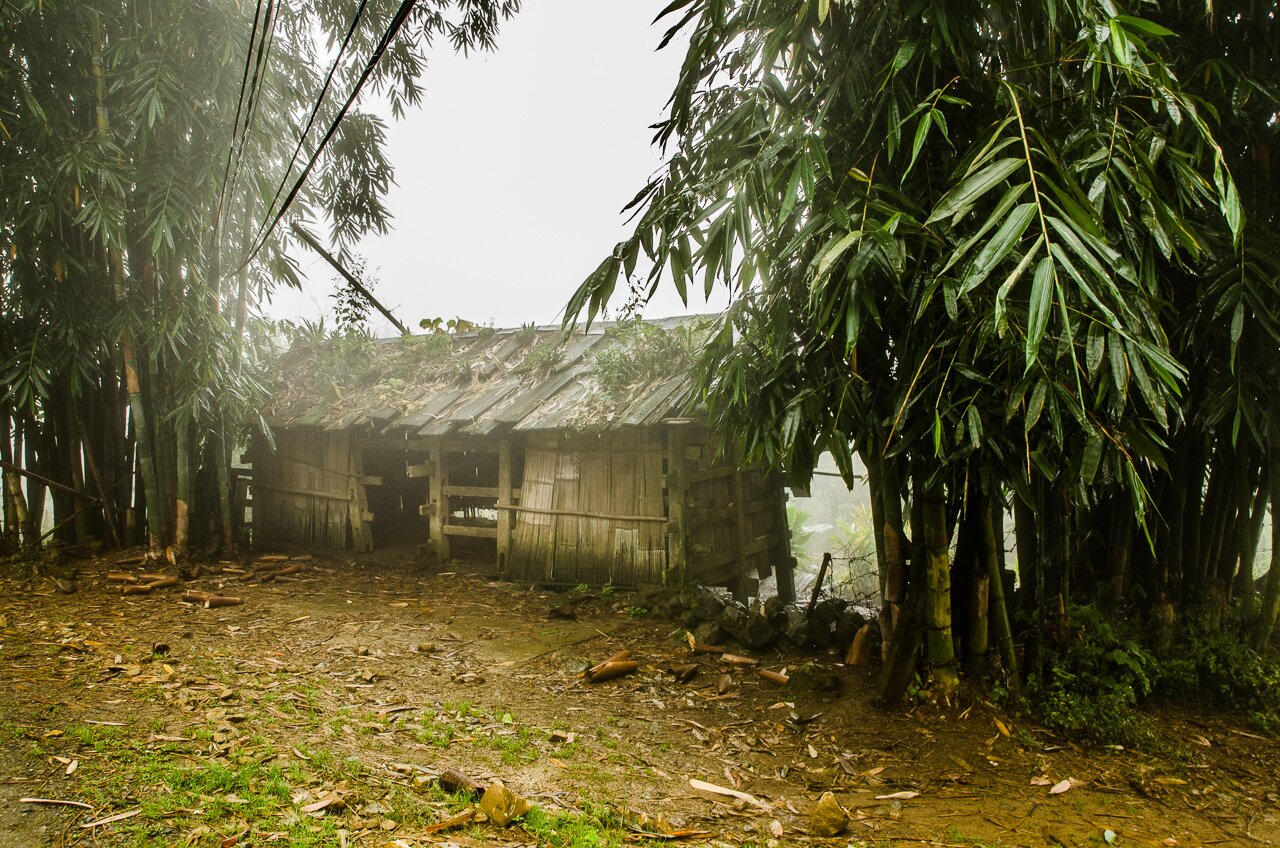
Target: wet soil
(398,672)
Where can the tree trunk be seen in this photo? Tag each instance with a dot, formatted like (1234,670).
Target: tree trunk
(182,503)
(940,648)
(1120,550)
(998,609)
(1244,589)
(1271,595)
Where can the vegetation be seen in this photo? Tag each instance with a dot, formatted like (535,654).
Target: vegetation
(1015,256)
(152,168)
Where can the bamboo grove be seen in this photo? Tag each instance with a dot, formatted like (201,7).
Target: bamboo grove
(1020,258)
(145,150)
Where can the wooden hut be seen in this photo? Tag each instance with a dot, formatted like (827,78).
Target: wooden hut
(566,459)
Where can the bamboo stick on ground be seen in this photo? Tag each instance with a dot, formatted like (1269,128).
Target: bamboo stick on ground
(609,670)
(209,601)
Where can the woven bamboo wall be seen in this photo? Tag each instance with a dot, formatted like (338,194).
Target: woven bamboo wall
(306,491)
(617,478)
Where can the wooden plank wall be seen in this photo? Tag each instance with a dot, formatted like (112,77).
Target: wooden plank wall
(592,510)
(731,516)
(308,493)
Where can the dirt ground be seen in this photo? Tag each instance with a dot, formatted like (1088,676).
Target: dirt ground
(319,711)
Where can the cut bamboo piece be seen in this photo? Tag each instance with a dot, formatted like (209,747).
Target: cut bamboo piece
(739,661)
(610,670)
(135,589)
(209,601)
(773,676)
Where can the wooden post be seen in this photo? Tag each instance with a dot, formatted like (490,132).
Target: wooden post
(504,501)
(677,499)
(361,532)
(739,584)
(439,502)
(784,563)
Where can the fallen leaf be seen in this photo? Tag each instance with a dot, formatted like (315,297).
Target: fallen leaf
(732,793)
(1040,781)
(109,819)
(1060,787)
(898,796)
(1000,725)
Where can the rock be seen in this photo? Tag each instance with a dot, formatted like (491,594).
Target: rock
(800,631)
(705,604)
(750,629)
(848,624)
(663,602)
(65,586)
(776,611)
(828,818)
(502,805)
(708,633)
(828,610)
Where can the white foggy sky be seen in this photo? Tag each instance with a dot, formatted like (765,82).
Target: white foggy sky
(511,175)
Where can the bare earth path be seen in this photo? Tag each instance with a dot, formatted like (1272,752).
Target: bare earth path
(319,710)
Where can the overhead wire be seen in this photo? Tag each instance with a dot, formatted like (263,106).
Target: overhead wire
(271,222)
(315,110)
(256,87)
(240,100)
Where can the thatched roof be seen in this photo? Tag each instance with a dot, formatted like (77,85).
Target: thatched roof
(618,374)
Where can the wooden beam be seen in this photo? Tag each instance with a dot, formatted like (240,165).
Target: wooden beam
(504,501)
(474,491)
(415,471)
(439,506)
(468,530)
(307,493)
(740,520)
(699,566)
(676,571)
(573,513)
(346,275)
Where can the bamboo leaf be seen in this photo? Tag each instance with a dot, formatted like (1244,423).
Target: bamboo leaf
(969,190)
(995,250)
(1042,287)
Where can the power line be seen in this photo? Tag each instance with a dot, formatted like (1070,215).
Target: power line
(402,14)
(235,123)
(256,85)
(315,110)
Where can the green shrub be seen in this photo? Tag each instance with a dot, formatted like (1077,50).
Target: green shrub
(1092,685)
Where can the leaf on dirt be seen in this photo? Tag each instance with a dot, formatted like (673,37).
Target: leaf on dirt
(1109,836)
(329,801)
(775,827)
(813,753)
(732,793)
(1061,786)
(110,819)
(1041,780)
(453,821)
(873,772)
(898,796)
(1170,781)
(1000,725)
(71,767)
